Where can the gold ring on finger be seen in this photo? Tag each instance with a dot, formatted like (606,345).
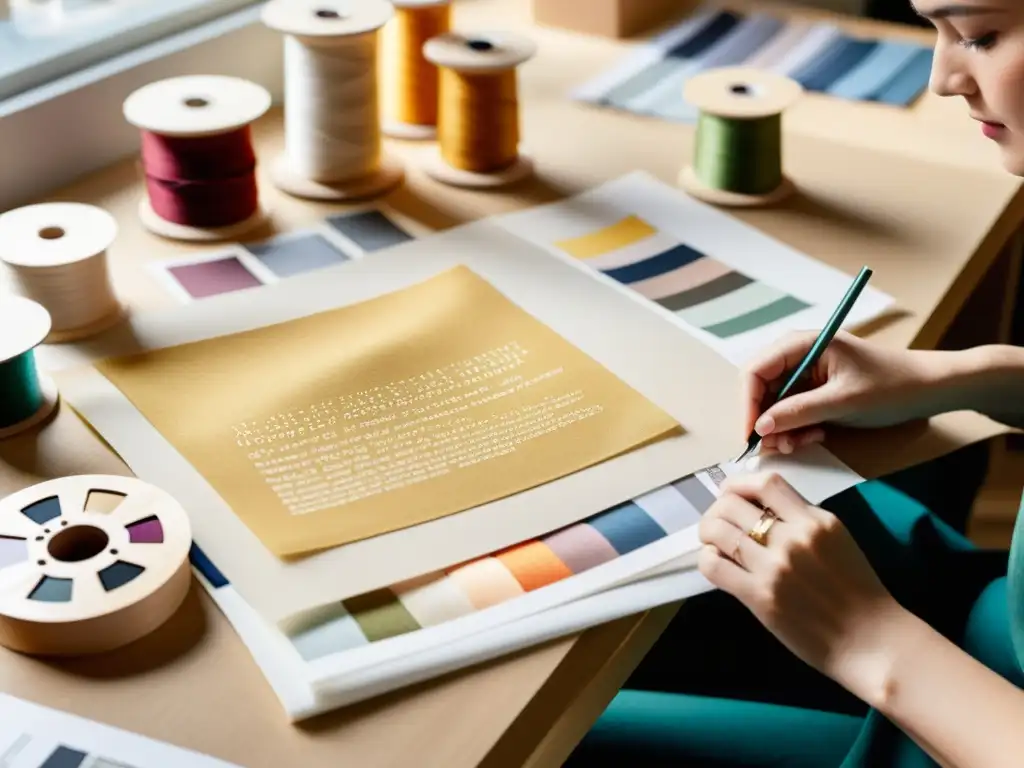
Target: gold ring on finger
(759,532)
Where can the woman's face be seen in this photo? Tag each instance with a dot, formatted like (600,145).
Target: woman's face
(979,55)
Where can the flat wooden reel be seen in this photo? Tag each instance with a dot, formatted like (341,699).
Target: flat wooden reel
(89,563)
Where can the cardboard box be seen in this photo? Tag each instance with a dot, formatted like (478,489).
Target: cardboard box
(609,18)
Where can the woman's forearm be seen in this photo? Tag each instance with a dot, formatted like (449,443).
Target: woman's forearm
(958,710)
(987,379)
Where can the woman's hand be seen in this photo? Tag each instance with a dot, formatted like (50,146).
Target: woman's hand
(808,583)
(855,383)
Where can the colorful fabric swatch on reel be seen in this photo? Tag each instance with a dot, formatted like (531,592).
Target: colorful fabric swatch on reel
(494,579)
(701,291)
(820,56)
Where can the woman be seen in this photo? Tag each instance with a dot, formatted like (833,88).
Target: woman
(878,597)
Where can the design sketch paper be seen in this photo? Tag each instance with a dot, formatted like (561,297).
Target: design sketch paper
(385,414)
(32,736)
(733,287)
(352,674)
(603,319)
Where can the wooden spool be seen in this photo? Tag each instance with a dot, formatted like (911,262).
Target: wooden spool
(56,255)
(190,107)
(89,563)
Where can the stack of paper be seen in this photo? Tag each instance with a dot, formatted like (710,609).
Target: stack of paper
(464,445)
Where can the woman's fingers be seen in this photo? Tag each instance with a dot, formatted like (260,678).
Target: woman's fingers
(725,574)
(770,490)
(788,442)
(734,543)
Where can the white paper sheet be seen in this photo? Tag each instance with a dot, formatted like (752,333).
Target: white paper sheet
(681,219)
(30,735)
(657,575)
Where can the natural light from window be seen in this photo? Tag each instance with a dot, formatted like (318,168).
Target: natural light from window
(43,40)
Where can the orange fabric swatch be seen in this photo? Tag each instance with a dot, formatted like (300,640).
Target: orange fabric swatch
(534,565)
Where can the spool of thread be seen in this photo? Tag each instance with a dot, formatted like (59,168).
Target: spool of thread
(89,563)
(737,158)
(409,81)
(478,118)
(333,142)
(27,396)
(56,255)
(198,159)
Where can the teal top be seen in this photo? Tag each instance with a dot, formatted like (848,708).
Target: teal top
(1015,586)
(975,597)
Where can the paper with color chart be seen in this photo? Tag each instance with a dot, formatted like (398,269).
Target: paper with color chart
(385,414)
(604,320)
(32,736)
(737,289)
(341,660)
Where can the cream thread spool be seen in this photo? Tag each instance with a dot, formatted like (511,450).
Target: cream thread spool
(410,82)
(333,141)
(27,395)
(56,255)
(740,125)
(197,107)
(90,563)
(484,59)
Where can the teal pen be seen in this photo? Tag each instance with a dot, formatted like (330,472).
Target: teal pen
(817,349)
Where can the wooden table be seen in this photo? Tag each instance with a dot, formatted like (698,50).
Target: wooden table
(915,192)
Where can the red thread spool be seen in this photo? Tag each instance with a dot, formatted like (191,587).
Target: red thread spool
(208,181)
(198,159)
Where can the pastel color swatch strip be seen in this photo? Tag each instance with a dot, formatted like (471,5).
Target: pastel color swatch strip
(294,253)
(626,231)
(488,581)
(818,55)
(701,291)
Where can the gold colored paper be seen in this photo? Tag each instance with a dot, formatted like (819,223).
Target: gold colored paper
(387,413)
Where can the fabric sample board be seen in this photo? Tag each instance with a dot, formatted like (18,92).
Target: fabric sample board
(734,287)
(820,56)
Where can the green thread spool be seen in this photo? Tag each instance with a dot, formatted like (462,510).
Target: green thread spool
(26,396)
(737,158)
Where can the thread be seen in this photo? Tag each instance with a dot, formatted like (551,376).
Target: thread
(197,156)
(410,84)
(56,255)
(737,156)
(21,393)
(331,125)
(333,140)
(27,397)
(205,181)
(478,125)
(478,129)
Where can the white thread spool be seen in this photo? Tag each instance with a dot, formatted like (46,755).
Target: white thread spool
(333,142)
(192,107)
(406,30)
(490,53)
(56,255)
(23,326)
(91,563)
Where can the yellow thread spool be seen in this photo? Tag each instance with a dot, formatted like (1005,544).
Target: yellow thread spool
(410,82)
(478,117)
